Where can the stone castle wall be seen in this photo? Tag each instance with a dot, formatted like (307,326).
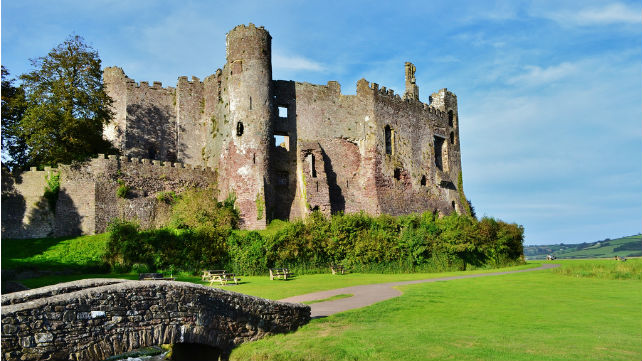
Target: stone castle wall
(375,151)
(88,201)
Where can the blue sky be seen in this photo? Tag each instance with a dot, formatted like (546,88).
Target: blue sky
(550,92)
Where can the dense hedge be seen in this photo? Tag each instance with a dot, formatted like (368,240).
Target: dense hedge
(358,241)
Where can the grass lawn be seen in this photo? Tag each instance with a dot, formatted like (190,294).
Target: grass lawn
(544,315)
(55,253)
(262,286)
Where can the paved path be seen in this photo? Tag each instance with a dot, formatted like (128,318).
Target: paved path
(368,294)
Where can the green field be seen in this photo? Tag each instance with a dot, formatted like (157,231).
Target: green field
(69,253)
(544,315)
(609,248)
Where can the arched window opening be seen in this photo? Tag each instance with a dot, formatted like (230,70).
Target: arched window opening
(451,117)
(453,204)
(388,134)
(239,129)
(423,180)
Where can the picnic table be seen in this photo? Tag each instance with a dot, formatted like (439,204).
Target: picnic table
(337,268)
(219,276)
(280,273)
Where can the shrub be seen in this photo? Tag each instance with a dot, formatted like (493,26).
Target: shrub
(123,189)
(168,197)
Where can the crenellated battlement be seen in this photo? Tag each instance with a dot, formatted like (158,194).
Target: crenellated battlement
(388,148)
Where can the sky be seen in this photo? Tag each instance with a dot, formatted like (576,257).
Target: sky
(549,92)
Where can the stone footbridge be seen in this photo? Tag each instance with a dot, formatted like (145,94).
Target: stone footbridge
(97,318)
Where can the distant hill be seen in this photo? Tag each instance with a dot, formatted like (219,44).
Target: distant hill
(624,247)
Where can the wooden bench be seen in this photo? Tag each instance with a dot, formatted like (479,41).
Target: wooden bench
(279,273)
(337,268)
(153,277)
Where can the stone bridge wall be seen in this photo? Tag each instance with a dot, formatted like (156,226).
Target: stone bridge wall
(98,322)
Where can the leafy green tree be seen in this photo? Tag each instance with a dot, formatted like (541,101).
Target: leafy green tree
(14,148)
(67,106)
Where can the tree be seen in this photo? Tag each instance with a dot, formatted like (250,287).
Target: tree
(14,148)
(67,106)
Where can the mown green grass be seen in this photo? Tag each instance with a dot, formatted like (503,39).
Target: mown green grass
(529,316)
(55,253)
(262,286)
(608,269)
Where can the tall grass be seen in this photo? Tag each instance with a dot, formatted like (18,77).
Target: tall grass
(606,269)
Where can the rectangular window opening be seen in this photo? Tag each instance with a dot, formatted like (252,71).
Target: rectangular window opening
(397,173)
(312,165)
(282,140)
(439,149)
(283,111)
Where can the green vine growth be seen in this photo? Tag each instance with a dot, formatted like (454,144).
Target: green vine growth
(52,189)
(123,189)
(260,206)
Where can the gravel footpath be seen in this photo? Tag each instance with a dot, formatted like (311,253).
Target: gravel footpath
(366,295)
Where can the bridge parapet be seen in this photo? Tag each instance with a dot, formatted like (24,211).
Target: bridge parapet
(98,322)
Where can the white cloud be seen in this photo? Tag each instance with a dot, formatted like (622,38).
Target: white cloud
(295,63)
(536,75)
(616,13)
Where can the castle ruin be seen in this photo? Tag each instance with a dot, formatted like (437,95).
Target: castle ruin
(286,148)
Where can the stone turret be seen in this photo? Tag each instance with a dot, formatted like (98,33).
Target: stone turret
(412,90)
(244,160)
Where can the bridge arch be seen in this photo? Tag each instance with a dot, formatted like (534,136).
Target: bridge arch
(95,319)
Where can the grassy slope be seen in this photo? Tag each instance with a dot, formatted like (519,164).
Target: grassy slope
(588,250)
(54,253)
(530,316)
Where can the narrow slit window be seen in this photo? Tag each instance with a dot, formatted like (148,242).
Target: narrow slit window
(388,134)
(311,162)
(423,180)
(439,145)
(239,129)
(452,204)
(250,103)
(451,117)
(452,137)
(254,158)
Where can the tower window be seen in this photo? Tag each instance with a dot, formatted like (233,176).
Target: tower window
(452,138)
(439,145)
(451,116)
(389,138)
(452,204)
(283,141)
(397,173)
(312,165)
(283,111)
(423,180)
(239,129)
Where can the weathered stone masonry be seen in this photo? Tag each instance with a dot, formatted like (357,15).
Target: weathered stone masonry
(375,151)
(95,319)
(88,201)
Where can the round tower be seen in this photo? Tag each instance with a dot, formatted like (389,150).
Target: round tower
(249,91)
